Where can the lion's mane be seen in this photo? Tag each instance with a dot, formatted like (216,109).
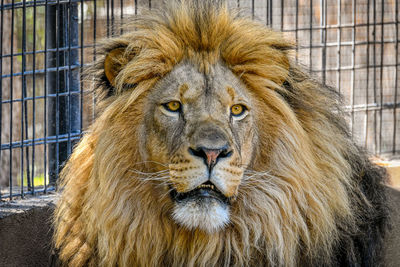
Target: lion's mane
(309,197)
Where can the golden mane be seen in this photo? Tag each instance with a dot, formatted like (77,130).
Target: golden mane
(298,200)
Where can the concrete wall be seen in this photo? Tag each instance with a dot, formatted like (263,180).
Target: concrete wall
(392,244)
(25,232)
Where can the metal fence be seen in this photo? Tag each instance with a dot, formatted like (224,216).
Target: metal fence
(351,45)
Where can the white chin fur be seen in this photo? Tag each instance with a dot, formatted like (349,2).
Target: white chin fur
(208,215)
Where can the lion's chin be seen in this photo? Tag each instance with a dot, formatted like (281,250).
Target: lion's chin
(209,215)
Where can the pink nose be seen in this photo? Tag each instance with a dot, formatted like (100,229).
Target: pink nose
(211,156)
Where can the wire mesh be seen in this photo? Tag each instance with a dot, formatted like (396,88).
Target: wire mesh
(351,45)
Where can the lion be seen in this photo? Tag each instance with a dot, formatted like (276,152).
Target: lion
(212,147)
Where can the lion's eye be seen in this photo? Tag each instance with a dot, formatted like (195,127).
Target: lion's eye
(238,110)
(173,106)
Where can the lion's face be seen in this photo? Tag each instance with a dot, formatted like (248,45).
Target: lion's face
(201,127)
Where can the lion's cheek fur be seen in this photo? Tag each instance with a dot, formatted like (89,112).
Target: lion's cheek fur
(310,179)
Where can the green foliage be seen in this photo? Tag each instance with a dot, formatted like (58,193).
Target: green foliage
(37,180)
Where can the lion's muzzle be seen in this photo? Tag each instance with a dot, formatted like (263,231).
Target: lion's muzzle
(202,190)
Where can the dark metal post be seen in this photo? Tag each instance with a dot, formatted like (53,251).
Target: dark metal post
(62,83)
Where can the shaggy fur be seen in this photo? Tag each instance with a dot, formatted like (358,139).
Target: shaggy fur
(309,196)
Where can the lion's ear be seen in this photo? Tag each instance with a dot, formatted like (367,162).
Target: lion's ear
(115,61)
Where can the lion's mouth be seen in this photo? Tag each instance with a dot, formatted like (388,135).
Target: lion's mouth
(203,191)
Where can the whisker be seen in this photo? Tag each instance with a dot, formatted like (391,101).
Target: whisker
(148,173)
(159,178)
(152,161)
(167,192)
(250,177)
(153,178)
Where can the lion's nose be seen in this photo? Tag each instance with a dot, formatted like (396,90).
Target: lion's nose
(211,156)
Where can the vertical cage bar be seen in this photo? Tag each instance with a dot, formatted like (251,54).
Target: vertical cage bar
(112,18)
(271,6)
(252,9)
(374,76)
(1,82)
(381,77)
(56,125)
(34,97)
(323,39)
(25,104)
(269,12)
(46,16)
(69,74)
(94,29)
(311,34)
(108,18)
(366,132)
(353,55)
(121,4)
(282,19)
(94,56)
(339,44)
(136,7)
(23,101)
(396,77)
(297,30)
(81,64)
(11,97)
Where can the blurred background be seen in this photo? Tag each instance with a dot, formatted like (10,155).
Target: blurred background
(352,45)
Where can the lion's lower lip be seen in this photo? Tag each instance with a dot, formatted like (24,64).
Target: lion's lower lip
(201,192)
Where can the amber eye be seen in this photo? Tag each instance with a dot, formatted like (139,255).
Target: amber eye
(238,110)
(173,106)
